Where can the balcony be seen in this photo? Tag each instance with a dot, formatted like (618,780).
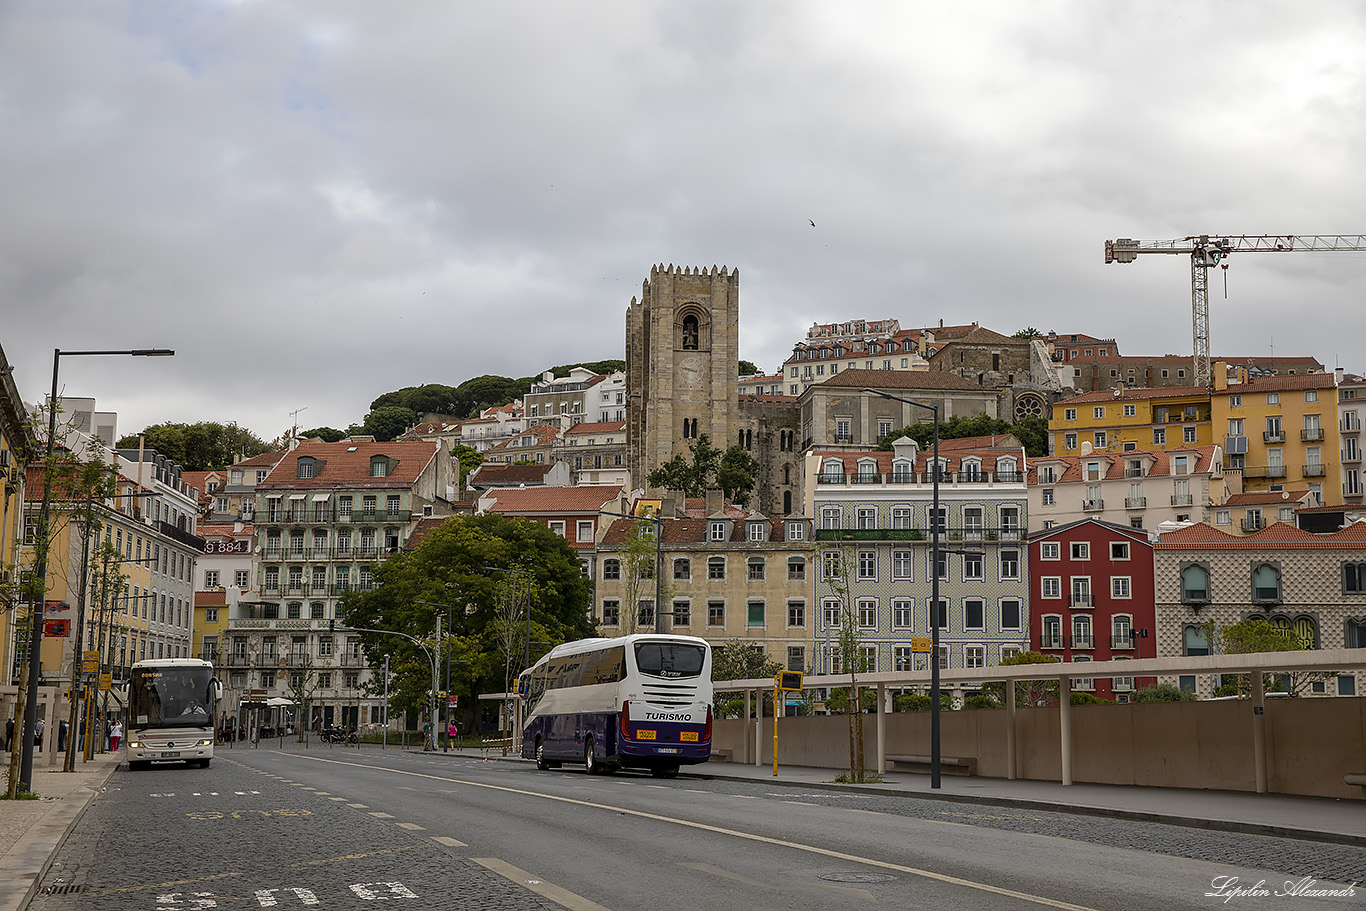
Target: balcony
(1311,434)
(353,660)
(1183,499)
(1084,641)
(1351,456)
(1007,533)
(1264,471)
(1314,470)
(1350,424)
(1273,436)
(1124,643)
(236,660)
(1135,502)
(1082,599)
(1352,491)
(1092,505)
(1051,641)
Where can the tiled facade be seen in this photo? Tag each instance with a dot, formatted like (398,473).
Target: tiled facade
(873,511)
(1302,582)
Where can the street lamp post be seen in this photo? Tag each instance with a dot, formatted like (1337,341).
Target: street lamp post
(935,529)
(431,658)
(659,569)
(446,715)
(40,570)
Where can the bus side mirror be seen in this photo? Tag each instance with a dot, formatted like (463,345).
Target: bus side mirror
(216,687)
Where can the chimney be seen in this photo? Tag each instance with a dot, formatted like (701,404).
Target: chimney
(1337,376)
(715,500)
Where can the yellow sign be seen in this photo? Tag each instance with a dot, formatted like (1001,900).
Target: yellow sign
(106,681)
(688,737)
(90,662)
(645,735)
(922,646)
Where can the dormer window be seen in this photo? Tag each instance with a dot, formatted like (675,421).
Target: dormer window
(716,531)
(971,470)
(903,472)
(308,467)
(379,466)
(1005,470)
(833,469)
(867,470)
(756,531)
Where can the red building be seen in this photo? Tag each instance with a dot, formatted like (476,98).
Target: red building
(1092,599)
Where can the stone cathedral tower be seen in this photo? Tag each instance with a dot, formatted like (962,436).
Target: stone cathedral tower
(682,353)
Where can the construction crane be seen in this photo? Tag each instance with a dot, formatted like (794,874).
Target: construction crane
(1209,250)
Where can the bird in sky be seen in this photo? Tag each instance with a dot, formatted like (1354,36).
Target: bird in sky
(813,224)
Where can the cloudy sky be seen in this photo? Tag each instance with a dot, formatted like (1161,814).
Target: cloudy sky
(316,203)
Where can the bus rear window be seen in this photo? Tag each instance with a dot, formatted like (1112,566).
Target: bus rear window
(669,659)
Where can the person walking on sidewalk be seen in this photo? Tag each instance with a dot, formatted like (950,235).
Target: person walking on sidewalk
(115,735)
(38,735)
(9,733)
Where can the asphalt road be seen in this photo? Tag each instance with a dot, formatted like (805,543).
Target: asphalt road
(334,829)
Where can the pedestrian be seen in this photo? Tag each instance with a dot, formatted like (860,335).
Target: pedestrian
(452,731)
(9,734)
(115,735)
(38,735)
(61,736)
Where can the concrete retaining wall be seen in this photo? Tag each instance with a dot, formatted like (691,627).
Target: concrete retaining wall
(1310,743)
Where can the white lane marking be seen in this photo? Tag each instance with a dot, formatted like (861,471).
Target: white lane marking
(340,799)
(448,841)
(800,803)
(544,889)
(359,806)
(411,825)
(382,815)
(749,836)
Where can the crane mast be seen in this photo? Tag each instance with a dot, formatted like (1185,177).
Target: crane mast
(1209,250)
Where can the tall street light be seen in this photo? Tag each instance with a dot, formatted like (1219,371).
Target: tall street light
(431,658)
(446,645)
(40,570)
(659,569)
(934,589)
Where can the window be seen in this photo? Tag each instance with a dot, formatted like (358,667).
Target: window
(1047,496)
(1049,550)
(1266,582)
(611,613)
(903,612)
(796,568)
(1354,578)
(755,569)
(1051,586)
(557,527)
(1081,631)
(903,659)
(585,530)
(1069,414)
(1194,641)
(830,613)
(796,613)
(830,565)
(830,515)
(1099,439)
(1010,564)
(941,613)
(1119,586)
(1069,441)
(211,578)
(1195,583)
(796,657)
(754,613)
(972,566)
(241,578)
(867,613)
(682,613)
(716,567)
(716,531)
(866,517)
(1012,616)
(379,467)
(611,569)
(1081,550)
(1081,591)
(682,569)
(1052,632)
(796,531)
(901,517)
(974,613)
(902,564)
(1159,436)
(867,564)
(1129,410)
(1273,398)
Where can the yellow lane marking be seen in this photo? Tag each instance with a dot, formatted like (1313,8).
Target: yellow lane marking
(448,841)
(544,889)
(749,836)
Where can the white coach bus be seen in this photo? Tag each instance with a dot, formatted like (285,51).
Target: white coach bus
(642,701)
(172,712)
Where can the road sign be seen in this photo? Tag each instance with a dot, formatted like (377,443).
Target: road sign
(90,662)
(106,681)
(789,681)
(922,646)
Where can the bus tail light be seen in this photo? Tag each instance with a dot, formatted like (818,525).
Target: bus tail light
(706,733)
(626,719)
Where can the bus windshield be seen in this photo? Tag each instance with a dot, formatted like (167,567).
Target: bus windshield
(166,697)
(669,659)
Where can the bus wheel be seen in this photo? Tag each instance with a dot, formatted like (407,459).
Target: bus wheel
(590,761)
(204,763)
(541,762)
(135,765)
(668,771)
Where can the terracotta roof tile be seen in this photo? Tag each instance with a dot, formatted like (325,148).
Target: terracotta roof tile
(1126,394)
(348,463)
(901,379)
(551,499)
(1276,536)
(597,427)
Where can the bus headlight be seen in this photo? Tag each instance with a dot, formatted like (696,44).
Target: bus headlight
(206,743)
(135,744)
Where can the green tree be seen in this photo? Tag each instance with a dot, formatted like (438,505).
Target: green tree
(1027,332)
(389,421)
(638,557)
(202,446)
(469,459)
(1163,692)
(740,661)
(1027,692)
(1032,432)
(737,475)
(450,567)
(601,367)
(327,434)
(748,368)
(432,397)
(1255,634)
(691,477)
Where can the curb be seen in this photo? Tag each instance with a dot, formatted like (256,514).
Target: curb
(38,847)
(1024,803)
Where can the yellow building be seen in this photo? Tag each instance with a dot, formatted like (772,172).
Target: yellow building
(16,450)
(1123,419)
(210,623)
(1281,432)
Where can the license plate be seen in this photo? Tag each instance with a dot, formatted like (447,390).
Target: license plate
(688,737)
(666,750)
(175,755)
(645,735)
